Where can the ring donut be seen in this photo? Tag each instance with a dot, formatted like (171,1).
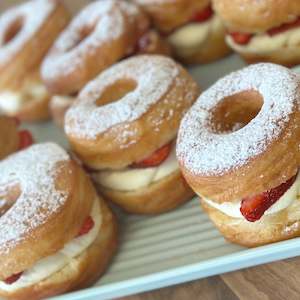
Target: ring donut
(195,33)
(265,30)
(46,197)
(238,148)
(25,38)
(125,121)
(101,34)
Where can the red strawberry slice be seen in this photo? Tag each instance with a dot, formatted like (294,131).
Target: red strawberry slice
(26,139)
(241,38)
(283,27)
(86,227)
(203,15)
(253,208)
(13,278)
(155,159)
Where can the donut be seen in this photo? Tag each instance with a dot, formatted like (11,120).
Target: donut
(262,31)
(47,197)
(194,32)
(123,126)
(238,148)
(11,138)
(25,38)
(103,33)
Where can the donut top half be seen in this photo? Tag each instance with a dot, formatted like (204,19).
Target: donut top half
(241,137)
(129,111)
(104,32)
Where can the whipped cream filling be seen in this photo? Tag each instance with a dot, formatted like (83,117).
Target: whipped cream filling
(131,179)
(62,100)
(52,264)
(192,35)
(12,101)
(232,209)
(264,43)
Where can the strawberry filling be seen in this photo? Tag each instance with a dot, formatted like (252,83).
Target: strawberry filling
(203,15)
(284,27)
(155,159)
(86,227)
(244,38)
(13,278)
(241,38)
(253,208)
(26,139)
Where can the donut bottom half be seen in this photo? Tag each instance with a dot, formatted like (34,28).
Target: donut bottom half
(280,226)
(213,48)
(284,56)
(159,197)
(83,270)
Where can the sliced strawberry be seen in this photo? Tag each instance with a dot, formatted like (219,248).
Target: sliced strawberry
(155,159)
(283,27)
(13,278)
(203,15)
(241,38)
(253,208)
(26,139)
(87,226)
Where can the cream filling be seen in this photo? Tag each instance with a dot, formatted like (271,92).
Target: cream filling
(62,101)
(264,43)
(52,264)
(11,102)
(131,179)
(192,35)
(232,209)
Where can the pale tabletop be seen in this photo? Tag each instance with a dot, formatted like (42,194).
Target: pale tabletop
(279,280)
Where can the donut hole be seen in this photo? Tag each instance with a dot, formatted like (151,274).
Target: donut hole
(8,197)
(13,30)
(83,33)
(116,91)
(236,111)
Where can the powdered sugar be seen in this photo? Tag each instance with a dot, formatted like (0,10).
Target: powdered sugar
(33,170)
(204,152)
(31,16)
(153,76)
(106,21)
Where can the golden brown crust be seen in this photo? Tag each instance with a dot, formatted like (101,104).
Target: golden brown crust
(9,137)
(151,130)
(269,229)
(19,73)
(16,69)
(84,270)
(213,48)
(93,62)
(277,163)
(159,197)
(285,56)
(168,15)
(72,179)
(256,16)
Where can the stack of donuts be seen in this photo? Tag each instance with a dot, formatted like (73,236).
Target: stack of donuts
(142,135)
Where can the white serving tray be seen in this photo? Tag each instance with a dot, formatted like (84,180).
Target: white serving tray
(175,247)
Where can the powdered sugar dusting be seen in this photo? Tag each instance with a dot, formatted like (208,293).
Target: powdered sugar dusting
(106,20)
(32,16)
(153,74)
(204,152)
(33,170)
